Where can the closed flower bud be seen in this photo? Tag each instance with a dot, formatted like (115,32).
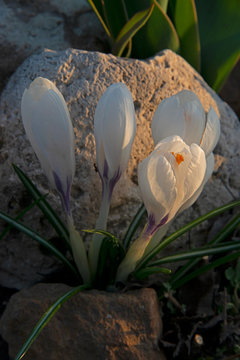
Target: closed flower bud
(49,129)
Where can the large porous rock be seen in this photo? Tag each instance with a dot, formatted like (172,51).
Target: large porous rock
(82,77)
(91,325)
(28,27)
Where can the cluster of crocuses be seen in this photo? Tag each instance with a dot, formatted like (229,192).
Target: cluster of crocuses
(170,179)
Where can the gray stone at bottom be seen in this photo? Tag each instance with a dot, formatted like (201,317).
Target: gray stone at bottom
(91,325)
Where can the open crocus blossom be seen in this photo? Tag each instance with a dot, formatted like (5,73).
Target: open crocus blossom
(183,115)
(49,128)
(114,131)
(168,178)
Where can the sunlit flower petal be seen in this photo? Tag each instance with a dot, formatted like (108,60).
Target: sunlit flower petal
(48,126)
(181,114)
(114,131)
(170,176)
(211,133)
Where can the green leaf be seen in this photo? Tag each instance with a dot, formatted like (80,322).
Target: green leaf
(157,34)
(21,214)
(44,206)
(220,38)
(193,274)
(163,4)
(147,271)
(184,16)
(221,235)
(136,222)
(183,230)
(99,11)
(26,230)
(47,317)
(206,250)
(116,15)
(102,232)
(110,256)
(130,29)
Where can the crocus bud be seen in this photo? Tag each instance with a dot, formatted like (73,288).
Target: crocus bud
(49,128)
(183,115)
(168,178)
(114,131)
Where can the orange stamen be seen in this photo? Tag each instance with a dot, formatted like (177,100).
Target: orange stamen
(179,158)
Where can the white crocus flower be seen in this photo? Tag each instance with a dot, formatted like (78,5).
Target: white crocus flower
(168,178)
(114,131)
(49,129)
(183,115)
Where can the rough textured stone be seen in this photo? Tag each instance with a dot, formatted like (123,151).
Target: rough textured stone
(91,325)
(82,77)
(28,27)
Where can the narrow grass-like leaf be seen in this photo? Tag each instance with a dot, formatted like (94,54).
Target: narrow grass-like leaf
(99,12)
(47,317)
(134,226)
(44,206)
(214,264)
(206,250)
(130,29)
(102,232)
(143,273)
(110,256)
(142,263)
(26,230)
(222,235)
(21,214)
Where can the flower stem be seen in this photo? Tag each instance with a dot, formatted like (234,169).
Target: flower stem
(133,255)
(79,252)
(97,239)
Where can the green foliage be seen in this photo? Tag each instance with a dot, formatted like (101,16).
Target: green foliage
(206,33)
(113,251)
(47,317)
(232,274)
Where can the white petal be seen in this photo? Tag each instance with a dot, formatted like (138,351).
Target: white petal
(168,119)
(194,115)
(115,126)
(181,114)
(157,185)
(208,173)
(48,126)
(212,132)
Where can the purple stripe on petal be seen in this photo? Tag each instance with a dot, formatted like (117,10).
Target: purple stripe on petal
(114,180)
(105,170)
(65,197)
(152,227)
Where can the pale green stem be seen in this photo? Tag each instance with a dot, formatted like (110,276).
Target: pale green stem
(157,237)
(79,252)
(133,255)
(97,239)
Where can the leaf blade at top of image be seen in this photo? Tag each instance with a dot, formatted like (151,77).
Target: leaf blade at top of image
(157,34)
(185,19)
(117,16)
(220,38)
(130,29)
